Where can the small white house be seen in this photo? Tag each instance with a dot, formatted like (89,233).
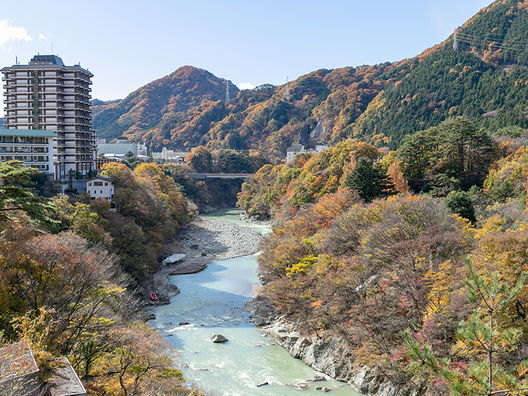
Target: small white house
(100,187)
(293,151)
(320,147)
(299,148)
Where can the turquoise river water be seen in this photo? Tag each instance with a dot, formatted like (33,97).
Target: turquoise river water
(212,301)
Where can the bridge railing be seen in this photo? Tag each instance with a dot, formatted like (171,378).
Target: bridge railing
(219,175)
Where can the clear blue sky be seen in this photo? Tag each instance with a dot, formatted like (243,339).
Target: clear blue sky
(127,44)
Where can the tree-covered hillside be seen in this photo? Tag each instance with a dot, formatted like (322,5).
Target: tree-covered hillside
(430,289)
(186,109)
(484,80)
(161,104)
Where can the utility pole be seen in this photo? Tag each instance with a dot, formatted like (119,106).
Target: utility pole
(227,92)
(455,42)
(287,95)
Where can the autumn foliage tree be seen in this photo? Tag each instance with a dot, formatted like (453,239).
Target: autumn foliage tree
(150,208)
(200,159)
(67,296)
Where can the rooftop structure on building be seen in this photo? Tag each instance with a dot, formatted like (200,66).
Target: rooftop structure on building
(18,370)
(47,95)
(34,147)
(19,374)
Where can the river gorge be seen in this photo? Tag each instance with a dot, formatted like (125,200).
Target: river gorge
(212,302)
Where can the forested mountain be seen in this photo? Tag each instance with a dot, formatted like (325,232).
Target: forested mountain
(161,105)
(260,118)
(485,80)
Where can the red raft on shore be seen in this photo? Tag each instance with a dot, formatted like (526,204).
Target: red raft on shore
(153,296)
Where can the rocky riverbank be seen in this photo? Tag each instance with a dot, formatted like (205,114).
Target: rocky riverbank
(334,358)
(203,241)
(330,356)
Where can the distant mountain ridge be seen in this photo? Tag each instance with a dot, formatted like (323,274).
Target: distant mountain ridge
(484,80)
(160,102)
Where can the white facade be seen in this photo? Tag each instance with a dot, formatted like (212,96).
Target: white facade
(122,147)
(320,147)
(35,148)
(47,95)
(168,155)
(299,148)
(100,187)
(293,151)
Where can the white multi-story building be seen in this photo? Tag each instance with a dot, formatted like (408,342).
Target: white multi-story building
(121,147)
(33,147)
(169,155)
(47,95)
(299,148)
(100,187)
(293,151)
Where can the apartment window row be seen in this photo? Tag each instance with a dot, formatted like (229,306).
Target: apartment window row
(25,158)
(47,73)
(23,150)
(41,167)
(23,139)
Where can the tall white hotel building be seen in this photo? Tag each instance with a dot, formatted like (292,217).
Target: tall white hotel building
(47,95)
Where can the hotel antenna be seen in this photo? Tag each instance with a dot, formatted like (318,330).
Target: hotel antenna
(227,92)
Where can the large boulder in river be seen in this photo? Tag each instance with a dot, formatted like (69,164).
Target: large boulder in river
(218,338)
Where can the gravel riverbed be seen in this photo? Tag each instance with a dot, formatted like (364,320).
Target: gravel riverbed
(218,240)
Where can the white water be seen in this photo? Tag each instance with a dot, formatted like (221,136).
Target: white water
(212,302)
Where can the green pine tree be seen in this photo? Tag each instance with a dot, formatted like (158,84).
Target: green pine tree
(480,336)
(16,196)
(369,180)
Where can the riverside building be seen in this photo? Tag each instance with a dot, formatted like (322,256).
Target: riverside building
(47,95)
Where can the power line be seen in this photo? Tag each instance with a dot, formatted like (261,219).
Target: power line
(514,49)
(496,43)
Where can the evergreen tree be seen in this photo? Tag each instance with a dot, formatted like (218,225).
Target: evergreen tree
(460,202)
(17,196)
(481,338)
(369,180)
